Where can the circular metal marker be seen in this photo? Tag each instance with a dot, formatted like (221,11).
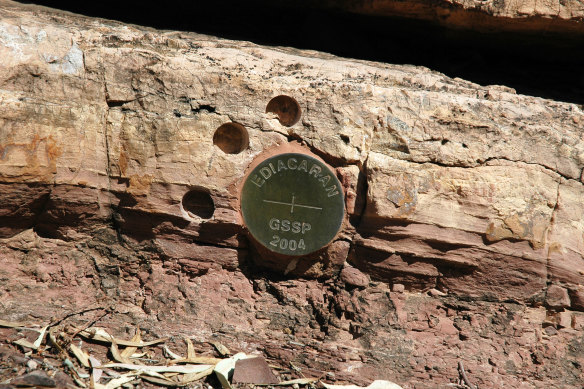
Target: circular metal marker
(292,204)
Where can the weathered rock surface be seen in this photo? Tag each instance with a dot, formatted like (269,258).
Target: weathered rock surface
(114,193)
(555,16)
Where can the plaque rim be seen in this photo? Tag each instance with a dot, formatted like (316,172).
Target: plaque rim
(299,151)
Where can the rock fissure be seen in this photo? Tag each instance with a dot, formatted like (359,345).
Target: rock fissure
(108,168)
(547,168)
(485,163)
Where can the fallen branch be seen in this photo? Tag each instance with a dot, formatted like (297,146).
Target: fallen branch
(464,377)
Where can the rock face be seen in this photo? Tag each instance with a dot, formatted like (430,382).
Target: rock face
(122,148)
(556,16)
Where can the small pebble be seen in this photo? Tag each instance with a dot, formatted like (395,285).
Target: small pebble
(354,277)
(436,293)
(398,288)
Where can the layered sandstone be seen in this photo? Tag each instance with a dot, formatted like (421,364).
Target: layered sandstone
(117,189)
(539,17)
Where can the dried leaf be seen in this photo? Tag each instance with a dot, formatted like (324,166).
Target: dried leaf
(128,351)
(171,354)
(67,362)
(24,343)
(39,340)
(158,378)
(11,324)
(224,367)
(184,369)
(37,343)
(377,384)
(190,349)
(161,381)
(157,375)
(188,378)
(101,335)
(81,355)
(79,382)
(117,382)
(95,372)
(221,349)
(198,360)
(298,381)
(116,353)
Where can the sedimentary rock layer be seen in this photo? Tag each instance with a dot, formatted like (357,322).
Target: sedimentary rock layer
(116,188)
(474,189)
(538,17)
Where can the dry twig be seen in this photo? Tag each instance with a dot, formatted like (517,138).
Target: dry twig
(464,377)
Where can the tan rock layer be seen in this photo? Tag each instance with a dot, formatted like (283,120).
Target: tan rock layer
(537,17)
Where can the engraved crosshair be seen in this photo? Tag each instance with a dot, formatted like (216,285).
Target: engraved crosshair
(292,204)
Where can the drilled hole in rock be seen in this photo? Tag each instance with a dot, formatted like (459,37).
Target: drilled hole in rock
(287,109)
(199,203)
(232,138)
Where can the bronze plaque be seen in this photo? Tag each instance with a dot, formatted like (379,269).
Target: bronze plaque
(292,204)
